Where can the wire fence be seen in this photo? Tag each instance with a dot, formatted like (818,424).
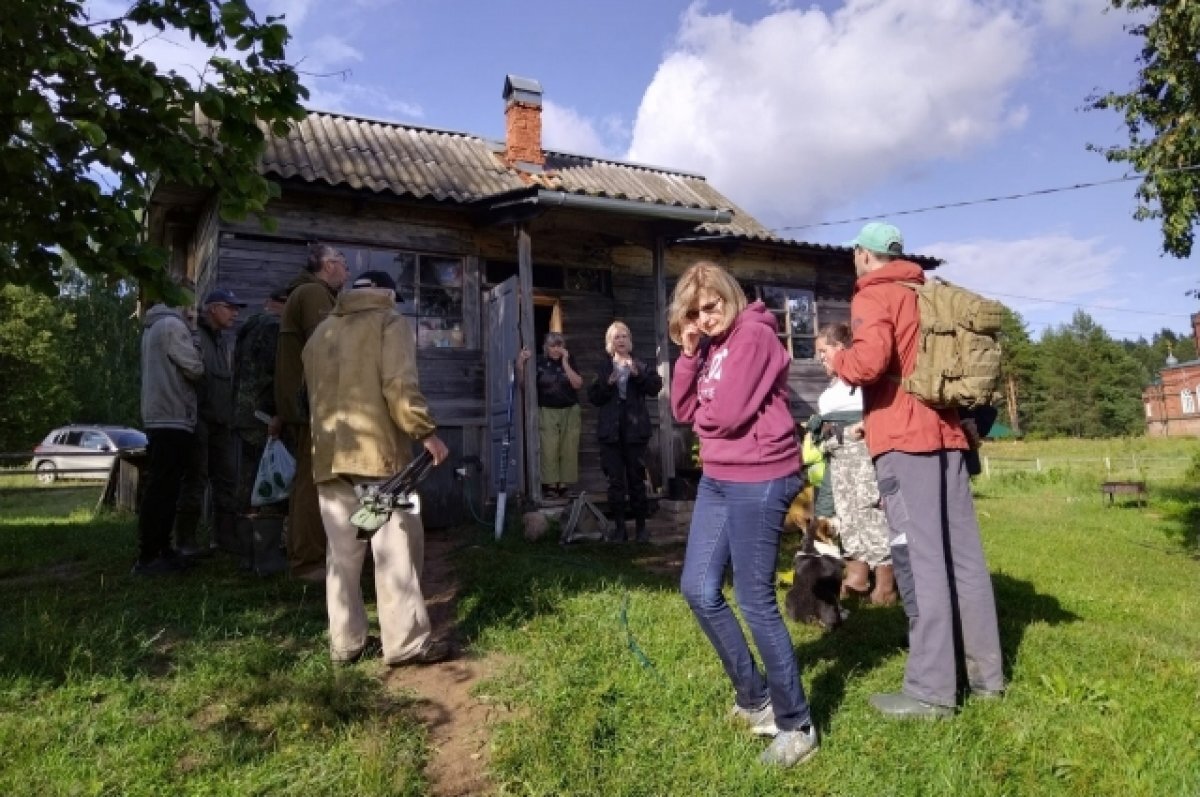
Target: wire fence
(1124,466)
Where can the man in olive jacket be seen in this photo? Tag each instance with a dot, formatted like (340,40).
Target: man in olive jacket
(367,411)
(311,296)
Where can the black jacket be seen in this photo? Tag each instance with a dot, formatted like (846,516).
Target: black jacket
(631,413)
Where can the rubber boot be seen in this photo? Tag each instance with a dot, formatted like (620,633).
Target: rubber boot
(640,530)
(225,534)
(244,542)
(187,526)
(269,556)
(618,533)
(884,593)
(857,579)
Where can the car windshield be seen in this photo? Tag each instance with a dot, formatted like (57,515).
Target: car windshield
(128,439)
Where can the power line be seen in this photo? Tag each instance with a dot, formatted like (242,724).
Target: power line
(1086,306)
(968,202)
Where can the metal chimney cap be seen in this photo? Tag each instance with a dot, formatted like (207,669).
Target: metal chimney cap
(522,89)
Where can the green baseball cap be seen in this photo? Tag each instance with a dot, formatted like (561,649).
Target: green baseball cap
(883,239)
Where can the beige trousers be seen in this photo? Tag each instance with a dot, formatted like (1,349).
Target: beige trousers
(398,549)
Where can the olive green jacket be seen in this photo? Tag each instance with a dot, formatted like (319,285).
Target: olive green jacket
(309,301)
(367,407)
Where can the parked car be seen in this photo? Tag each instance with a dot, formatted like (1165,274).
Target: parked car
(82,451)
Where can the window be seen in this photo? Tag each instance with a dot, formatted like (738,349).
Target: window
(553,277)
(795,311)
(95,441)
(429,289)
(1185,398)
(1149,413)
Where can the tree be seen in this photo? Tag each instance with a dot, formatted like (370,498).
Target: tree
(104,339)
(1162,117)
(1086,384)
(34,367)
(1018,359)
(79,108)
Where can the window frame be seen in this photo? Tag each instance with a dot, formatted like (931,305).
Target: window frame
(1187,401)
(769,292)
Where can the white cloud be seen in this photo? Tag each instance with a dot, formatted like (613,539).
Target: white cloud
(1086,23)
(331,94)
(566,130)
(294,11)
(802,110)
(325,54)
(1057,267)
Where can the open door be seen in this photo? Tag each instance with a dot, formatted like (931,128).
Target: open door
(502,336)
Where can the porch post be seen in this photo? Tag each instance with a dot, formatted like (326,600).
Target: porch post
(533,454)
(666,422)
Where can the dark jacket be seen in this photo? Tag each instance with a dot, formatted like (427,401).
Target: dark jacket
(215,391)
(630,413)
(254,372)
(553,387)
(309,301)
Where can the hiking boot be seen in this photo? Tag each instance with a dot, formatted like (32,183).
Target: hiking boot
(433,652)
(791,748)
(160,566)
(761,720)
(900,706)
(371,649)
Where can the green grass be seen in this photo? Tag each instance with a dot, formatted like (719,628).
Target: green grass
(209,684)
(1100,629)
(219,684)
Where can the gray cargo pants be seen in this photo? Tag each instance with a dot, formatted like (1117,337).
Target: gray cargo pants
(941,573)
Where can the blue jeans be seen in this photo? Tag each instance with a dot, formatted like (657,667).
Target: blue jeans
(739,524)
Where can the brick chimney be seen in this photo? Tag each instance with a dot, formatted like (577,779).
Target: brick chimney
(1196,329)
(523,123)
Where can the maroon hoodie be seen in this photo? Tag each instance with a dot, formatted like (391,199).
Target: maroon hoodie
(736,399)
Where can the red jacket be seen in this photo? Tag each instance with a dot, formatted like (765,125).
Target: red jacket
(883,316)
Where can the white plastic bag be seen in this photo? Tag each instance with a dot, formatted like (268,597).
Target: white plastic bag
(276,470)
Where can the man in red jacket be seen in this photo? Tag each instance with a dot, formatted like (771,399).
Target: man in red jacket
(926,494)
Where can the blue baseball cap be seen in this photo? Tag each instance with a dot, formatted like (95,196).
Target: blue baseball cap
(880,238)
(223,296)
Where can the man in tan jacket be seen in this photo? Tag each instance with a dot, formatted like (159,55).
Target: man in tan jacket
(367,410)
(310,298)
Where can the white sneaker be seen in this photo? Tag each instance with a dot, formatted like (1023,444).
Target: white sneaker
(791,748)
(761,720)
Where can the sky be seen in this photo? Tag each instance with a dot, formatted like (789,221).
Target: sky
(810,116)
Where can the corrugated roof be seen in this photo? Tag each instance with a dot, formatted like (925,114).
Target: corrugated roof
(448,166)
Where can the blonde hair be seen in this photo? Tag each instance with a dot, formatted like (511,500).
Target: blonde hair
(701,276)
(611,332)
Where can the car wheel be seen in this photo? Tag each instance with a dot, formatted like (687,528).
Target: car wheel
(46,473)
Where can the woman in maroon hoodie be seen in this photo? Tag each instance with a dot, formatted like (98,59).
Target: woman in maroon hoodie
(731,384)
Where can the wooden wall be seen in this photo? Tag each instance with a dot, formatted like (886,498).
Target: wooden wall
(252,261)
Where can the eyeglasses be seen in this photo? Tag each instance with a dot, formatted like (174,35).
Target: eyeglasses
(708,309)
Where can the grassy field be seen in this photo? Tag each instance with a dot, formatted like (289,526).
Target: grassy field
(216,684)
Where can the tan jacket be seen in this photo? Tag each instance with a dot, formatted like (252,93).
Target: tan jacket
(309,301)
(367,408)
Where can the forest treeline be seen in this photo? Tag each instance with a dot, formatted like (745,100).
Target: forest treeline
(74,358)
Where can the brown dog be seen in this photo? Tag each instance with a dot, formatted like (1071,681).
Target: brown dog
(800,513)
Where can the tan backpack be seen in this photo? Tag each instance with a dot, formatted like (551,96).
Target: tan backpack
(958,354)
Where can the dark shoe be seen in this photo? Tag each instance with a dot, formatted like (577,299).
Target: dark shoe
(157,567)
(180,559)
(987,694)
(900,706)
(640,533)
(188,552)
(432,653)
(371,649)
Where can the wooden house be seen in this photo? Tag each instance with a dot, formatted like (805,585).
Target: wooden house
(495,243)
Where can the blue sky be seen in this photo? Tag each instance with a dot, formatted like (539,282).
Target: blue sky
(803,114)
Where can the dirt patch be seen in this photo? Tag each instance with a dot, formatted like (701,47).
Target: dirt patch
(459,725)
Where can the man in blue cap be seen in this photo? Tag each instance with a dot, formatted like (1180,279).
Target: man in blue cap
(924,487)
(212,464)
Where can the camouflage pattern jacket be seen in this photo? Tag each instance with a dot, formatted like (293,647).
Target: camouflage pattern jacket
(254,375)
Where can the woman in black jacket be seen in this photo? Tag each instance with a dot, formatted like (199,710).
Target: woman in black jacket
(623,427)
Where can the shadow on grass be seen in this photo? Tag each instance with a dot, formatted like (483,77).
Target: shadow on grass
(508,583)
(1181,507)
(872,635)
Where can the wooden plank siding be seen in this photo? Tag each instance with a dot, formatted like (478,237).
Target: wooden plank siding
(251,261)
